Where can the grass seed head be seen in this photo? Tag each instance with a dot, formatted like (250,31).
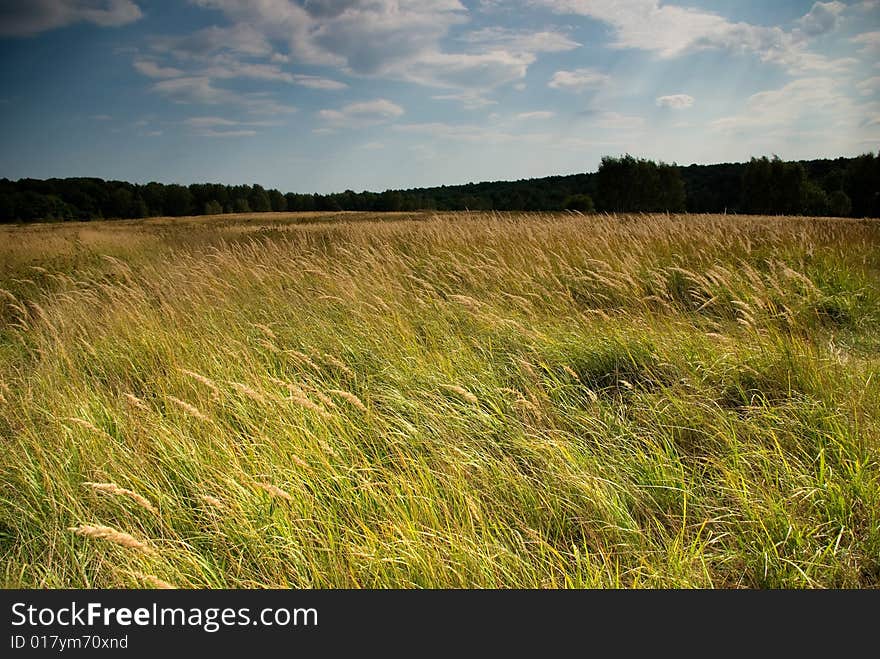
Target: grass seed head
(462,392)
(188,408)
(349,397)
(274,491)
(155,582)
(98,532)
(115,490)
(212,501)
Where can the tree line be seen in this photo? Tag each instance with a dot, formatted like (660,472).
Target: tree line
(845,187)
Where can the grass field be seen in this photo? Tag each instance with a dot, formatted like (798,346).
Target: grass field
(441,400)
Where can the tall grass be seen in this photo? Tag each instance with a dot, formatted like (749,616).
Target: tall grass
(436,400)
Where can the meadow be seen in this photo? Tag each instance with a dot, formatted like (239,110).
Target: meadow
(426,400)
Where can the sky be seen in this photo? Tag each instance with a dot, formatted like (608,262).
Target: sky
(329,95)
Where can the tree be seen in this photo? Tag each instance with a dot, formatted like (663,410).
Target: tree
(121,202)
(789,182)
(615,183)
(713,188)
(139,207)
(33,207)
(862,185)
(839,204)
(390,201)
(178,200)
(843,186)
(259,200)
(7,207)
(774,187)
(628,184)
(582,203)
(672,197)
(326,203)
(815,200)
(277,202)
(757,187)
(154,196)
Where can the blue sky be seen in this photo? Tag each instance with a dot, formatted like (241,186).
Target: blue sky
(325,95)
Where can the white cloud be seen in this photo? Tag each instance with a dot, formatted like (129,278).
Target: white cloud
(222,53)
(822,18)
(810,92)
(423,152)
(538,115)
(373,146)
(200,89)
(578,80)
(242,39)
(225,53)
(443,130)
(470,133)
(398,39)
(222,127)
(19,18)
(800,62)
(869,87)
(226,68)
(785,107)
(617,121)
(209,122)
(520,41)
(262,103)
(365,36)
(670,31)
(807,118)
(469,100)
(192,90)
(315,82)
(464,70)
(362,114)
(645,24)
(151,69)
(870,43)
(676,101)
(227,133)
(405,40)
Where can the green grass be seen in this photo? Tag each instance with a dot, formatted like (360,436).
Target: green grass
(442,401)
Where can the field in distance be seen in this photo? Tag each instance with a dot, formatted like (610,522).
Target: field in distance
(440,400)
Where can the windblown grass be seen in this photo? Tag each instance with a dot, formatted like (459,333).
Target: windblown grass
(441,401)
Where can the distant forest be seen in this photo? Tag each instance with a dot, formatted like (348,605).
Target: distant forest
(845,187)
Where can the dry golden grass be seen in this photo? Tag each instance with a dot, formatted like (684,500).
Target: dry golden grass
(110,534)
(274,491)
(154,582)
(115,490)
(441,400)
